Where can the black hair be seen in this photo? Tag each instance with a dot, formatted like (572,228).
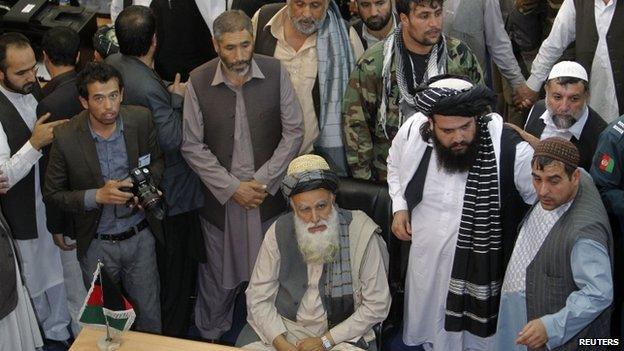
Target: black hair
(96,72)
(11,39)
(404,6)
(135,27)
(569,80)
(542,161)
(61,44)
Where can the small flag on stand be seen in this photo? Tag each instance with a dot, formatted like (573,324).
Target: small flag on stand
(105,305)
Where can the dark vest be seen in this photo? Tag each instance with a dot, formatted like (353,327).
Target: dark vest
(218,104)
(549,279)
(358,26)
(18,204)
(513,207)
(8,287)
(265,44)
(587,40)
(589,136)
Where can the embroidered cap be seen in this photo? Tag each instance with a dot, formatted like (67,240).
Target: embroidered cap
(568,69)
(558,149)
(308,172)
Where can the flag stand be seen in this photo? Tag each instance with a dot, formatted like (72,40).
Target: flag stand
(106,343)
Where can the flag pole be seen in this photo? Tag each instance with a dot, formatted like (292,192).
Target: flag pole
(100,265)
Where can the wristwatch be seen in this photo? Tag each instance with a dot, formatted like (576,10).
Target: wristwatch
(327,345)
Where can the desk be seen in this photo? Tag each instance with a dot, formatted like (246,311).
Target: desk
(135,341)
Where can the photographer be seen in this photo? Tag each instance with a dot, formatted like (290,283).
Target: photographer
(87,175)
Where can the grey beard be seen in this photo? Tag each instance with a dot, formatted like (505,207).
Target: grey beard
(319,247)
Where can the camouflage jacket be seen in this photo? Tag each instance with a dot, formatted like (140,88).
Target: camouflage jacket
(365,141)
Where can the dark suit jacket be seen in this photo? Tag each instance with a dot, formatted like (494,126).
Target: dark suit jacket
(61,101)
(74,168)
(143,87)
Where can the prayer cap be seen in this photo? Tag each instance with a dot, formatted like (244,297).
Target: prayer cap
(568,69)
(452,95)
(558,149)
(308,172)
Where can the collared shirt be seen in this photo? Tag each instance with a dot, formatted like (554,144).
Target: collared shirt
(116,6)
(603,98)
(302,66)
(551,130)
(242,235)
(211,9)
(113,158)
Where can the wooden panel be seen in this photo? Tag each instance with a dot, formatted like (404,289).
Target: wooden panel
(135,341)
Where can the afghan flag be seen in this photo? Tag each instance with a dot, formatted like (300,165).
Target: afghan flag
(105,305)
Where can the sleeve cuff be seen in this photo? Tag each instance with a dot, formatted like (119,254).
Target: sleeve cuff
(552,331)
(398,205)
(273,331)
(30,154)
(228,192)
(534,83)
(89,200)
(517,81)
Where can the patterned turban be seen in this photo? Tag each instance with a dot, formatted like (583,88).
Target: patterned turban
(308,172)
(454,96)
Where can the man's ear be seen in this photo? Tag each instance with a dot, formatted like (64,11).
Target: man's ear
(215,45)
(576,176)
(83,102)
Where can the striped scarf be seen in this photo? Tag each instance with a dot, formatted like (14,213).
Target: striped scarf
(335,62)
(474,290)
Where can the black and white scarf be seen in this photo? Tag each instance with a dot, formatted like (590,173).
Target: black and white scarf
(474,290)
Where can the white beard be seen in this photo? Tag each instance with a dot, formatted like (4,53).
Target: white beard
(318,247)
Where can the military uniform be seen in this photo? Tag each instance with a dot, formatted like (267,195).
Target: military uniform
(608,172)
(366,142)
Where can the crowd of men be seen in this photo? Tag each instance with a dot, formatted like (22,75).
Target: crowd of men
(248,116)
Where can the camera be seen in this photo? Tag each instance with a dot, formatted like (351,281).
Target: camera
(145,190)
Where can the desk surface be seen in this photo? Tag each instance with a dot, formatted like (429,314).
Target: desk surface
(135,341)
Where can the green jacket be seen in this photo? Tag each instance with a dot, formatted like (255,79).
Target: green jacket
(365,142)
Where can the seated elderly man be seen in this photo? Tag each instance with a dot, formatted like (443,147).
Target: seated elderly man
(320,279)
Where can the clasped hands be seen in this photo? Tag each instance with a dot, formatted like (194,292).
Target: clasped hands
(250,194)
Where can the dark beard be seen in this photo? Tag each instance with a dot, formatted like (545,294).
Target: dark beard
(453,162)
(379,24)
(25,90)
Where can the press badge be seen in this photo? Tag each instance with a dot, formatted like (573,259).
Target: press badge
(144,160)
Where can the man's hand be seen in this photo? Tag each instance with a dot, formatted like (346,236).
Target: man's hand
(533,335)
(528,137)
(43,133)
(250,194)
(59,241)
(524,97)
(4,183)
(177,87)
(281,344)
(401,225)
(110,194)
(310,344)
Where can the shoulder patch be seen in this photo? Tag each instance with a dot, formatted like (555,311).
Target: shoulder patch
(619,127)
(607,163)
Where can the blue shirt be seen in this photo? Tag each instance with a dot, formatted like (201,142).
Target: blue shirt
(113,159)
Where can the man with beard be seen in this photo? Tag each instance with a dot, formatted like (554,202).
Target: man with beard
(320,280)
(242,125)
(565,114)
(376,21)
(319,51)
(459,182)
(558,287)
(380,94)
(22,138)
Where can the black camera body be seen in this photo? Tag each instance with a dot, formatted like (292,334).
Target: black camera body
(145,190)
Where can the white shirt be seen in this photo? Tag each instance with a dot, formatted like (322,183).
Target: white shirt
(211,9)
(603,98)
(435,226)
(116,6)
(551,130)
(41,260)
